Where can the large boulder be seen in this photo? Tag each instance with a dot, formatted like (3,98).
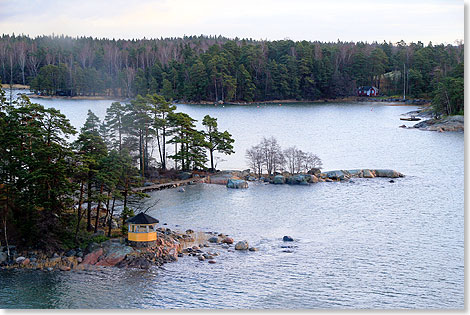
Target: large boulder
(242,245)
(387,173)
(92,258)
(113,255)
(299,179)
(237,183)
(279,179)
(338,174)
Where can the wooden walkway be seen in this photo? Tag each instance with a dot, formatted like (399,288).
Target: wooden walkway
(168,185)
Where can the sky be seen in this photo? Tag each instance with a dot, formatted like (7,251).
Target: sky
(438,21)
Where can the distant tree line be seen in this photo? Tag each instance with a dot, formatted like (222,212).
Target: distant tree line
(49,186)
(202,68)
(270,157)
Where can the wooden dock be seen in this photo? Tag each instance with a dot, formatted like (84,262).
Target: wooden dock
(173,184)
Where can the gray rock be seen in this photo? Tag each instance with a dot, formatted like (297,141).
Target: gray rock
(279,179)
(50,268)
(251,178)
(213,239)
(201,258)
(388,173)
(237,183)
(242,245)
(147,184)
(287,238)
(338,174)
(181,189)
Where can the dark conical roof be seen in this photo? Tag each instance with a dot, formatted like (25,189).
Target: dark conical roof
(142,218)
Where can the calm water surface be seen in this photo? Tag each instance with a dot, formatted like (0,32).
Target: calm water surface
(366,243)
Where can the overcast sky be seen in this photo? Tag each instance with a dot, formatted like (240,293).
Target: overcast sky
(439,21)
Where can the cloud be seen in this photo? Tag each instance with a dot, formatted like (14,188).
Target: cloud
(367,20)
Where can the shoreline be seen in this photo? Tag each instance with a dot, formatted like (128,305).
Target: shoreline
(346,99)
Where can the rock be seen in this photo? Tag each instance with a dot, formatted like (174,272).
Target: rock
(20,259)
(367,173)
(253,249)
(314,171)
(181,189)
(279,179)
(71,252)
(25,262)
(201,258)
(92,258)
(338,174)
(402,126)
(242,245)
(391,181)
(55,255)
(64,268)
(225,246)
(237,183)
(49,269)
(113,255)
(387,173)
(228,240)
(298,179)
(80,254)
(251,178)
(189,231)
(147,184)
(213,239)
(287,238)
(212,262)
(79,259)
(33,260)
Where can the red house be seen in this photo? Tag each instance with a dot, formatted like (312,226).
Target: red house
(367,91)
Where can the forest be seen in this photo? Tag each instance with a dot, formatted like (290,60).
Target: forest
(215,68)
(54,193)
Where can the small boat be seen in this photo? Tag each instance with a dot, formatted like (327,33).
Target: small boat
(412,118)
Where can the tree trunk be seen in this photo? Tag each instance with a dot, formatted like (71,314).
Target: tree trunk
(88,211)
(79,212)
(111,218)
(98,209)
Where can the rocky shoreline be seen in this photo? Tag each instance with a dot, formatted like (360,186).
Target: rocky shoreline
(117,253)
(240,179)
(449,123)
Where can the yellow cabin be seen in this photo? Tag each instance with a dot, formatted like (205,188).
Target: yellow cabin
(142,230)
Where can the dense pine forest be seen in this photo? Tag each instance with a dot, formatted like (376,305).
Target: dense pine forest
(204,68)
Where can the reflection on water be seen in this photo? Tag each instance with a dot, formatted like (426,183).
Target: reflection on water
(366,243)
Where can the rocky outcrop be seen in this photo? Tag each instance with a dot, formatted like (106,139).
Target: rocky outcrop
(237,183)
(279,179)
(449,123)
(335,175)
